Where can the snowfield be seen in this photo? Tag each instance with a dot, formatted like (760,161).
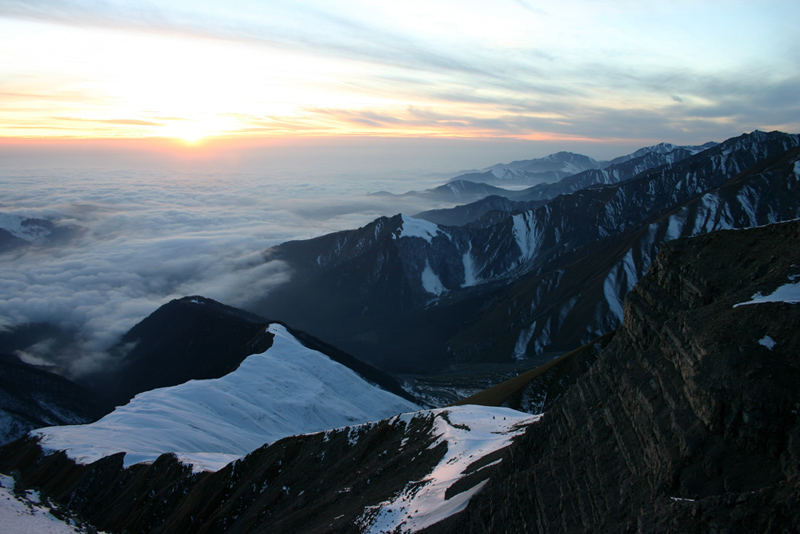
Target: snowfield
(471,433)
(287,390)
(789,293)
(420,228)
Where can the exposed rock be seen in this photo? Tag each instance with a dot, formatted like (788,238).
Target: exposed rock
(320,482)
(687,421)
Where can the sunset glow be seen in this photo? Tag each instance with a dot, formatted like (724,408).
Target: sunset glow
(191,71)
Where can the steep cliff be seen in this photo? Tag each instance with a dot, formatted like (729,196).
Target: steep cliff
(688,420)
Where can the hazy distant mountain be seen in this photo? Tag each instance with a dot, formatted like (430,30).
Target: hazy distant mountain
(17,231)
(617,170)
(454,191)
(534,171)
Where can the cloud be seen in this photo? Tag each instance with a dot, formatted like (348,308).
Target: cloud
(150,236)
(129,121)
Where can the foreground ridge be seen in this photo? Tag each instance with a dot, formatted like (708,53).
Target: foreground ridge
(688,420)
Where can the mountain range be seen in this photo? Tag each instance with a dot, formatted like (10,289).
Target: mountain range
(686,420)
(518,283)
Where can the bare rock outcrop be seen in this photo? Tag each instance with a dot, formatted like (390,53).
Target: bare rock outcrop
(687,421)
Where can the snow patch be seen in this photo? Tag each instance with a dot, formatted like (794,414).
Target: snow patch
(431,282)
(768,342)
(543,339)
(786,293)
(471,432)
(527,235)
(620,280)
(420,228)
(285,391)
(705,220)
(748,200)
(470,271)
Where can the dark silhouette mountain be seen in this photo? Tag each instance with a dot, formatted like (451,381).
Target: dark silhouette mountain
(475,212)
(199,338)
(188,338)
(517,284)
(686,421)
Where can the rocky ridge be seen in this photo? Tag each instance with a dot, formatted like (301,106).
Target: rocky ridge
(687,422)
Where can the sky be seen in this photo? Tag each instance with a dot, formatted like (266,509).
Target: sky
(602,75)
(172,142)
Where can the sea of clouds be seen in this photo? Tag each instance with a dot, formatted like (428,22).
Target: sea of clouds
(137,239)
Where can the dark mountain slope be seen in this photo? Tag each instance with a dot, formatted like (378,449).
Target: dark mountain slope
(687,422)
(618,171)
(31,398)
(578,293)
(475,212)
(549,278)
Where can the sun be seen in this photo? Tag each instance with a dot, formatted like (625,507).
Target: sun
(193,131)
(189,133)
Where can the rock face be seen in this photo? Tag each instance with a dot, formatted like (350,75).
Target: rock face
(688,421)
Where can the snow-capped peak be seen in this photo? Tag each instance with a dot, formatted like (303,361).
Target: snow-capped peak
(287,390)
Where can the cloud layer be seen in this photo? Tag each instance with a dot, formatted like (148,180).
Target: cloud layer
(142,238)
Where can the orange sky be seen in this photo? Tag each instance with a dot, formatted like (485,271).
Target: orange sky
(686,71)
